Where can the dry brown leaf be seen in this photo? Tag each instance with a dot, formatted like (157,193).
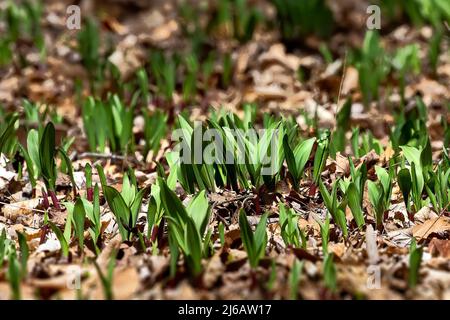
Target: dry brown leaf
(14,210)
(213,270)
(436,225)
(350,81)
(425,214)
(440,247)
(277,54)
(337,248)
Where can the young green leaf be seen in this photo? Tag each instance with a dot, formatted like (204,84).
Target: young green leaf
(119,208)
(79,216)
(61,239)
(47,156)
(415,259)
(2,246)
(24,253)
(294,278)
(14,275)
(254,243)
(404,182)
(354,202)
(107,279)
(329,272)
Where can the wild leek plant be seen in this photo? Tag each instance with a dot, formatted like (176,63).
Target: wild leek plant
(191,174)
(380,193)
(22,23)
(163,69)
(290,231)
(187,226)
(302,18)
(47,153)
(93,213)
(338,139)
(294,278)
(6,53)
(415,259)
(406,60)
(237,17)
(126,204)
(4,243)
(418,12)
(325,233)
(17,270)
(24,254)
(414,178)
(143,84)
(88,47)
(438,189)
(410,127)
(363,144)
(66,164)
(373,67)
(265,155)
(14,275)
(227,70)
(79,216)
(296,159)
(329,272)
(255,243)
(192,67)
(8,140)
(354,190)
(31,156)
(155,130)
(106,280)
(320,159)
(155,213)
(355,204)
(108,123)
(63,241)
(335,208)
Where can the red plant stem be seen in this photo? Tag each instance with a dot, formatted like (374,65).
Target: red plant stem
(154,234)
(312,190)
(90,194)
(45,200)
(160,232)
(54,199)
(44,231)
(257,204)
(254,280)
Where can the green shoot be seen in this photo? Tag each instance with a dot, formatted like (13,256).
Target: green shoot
(294,278)
(254,243)
(415,259)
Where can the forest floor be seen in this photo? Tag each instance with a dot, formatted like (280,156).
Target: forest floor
(204,68)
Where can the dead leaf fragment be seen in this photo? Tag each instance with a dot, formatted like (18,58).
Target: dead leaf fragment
(440,247)
(436,225)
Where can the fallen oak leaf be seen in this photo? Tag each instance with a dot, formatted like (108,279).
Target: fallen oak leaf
(436,225)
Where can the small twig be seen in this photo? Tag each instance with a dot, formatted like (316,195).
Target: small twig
(216,203)
(98,155)
(344,68)
(439,216)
